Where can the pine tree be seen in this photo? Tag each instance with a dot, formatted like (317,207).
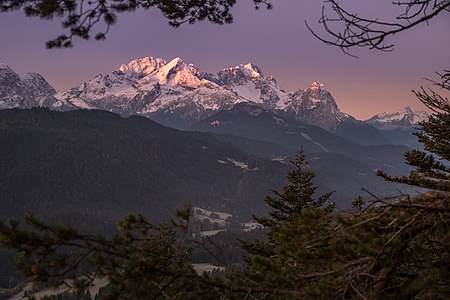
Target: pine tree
(298,216)
(296,195)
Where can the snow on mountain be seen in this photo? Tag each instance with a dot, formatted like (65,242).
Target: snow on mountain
(403,118)
(152,87)
(26,91)
(174,93)
(42,89)
(316,106)
(249,82)
(145,65)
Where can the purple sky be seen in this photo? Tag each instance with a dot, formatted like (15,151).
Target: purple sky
(275,40)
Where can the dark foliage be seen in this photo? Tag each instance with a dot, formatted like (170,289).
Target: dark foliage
(99,167)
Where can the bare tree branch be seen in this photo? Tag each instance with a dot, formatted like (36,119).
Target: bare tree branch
(347,29)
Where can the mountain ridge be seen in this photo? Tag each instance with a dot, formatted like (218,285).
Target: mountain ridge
(401,118)
(178,94)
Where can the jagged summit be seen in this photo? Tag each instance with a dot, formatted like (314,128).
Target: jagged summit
(248,81)
(151,69)
(38,83)
(316,106)
(25,91)
(177,72)
(316,86)
(250,70)
(145,65)
(404,117)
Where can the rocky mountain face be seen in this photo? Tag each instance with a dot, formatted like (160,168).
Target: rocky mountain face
(249,82)
(316,106)
(26,90)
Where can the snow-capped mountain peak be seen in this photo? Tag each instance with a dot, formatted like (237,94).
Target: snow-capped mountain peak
(316,86)
(177,72)
(404,117)
(151,69)
(146,65)
(316,94)
(156,88)
(250,70)
(240,74)
(248,81)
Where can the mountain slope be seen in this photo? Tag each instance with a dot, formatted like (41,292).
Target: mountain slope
(340,164)
(251,121)
(100,166)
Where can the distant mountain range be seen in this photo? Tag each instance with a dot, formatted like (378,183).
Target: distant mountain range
(178,94)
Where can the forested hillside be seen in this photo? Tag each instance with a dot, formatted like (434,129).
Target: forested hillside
(101,166)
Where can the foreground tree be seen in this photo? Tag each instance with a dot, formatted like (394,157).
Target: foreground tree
(391,250)
(267,264)
(141,261)
(395,248)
